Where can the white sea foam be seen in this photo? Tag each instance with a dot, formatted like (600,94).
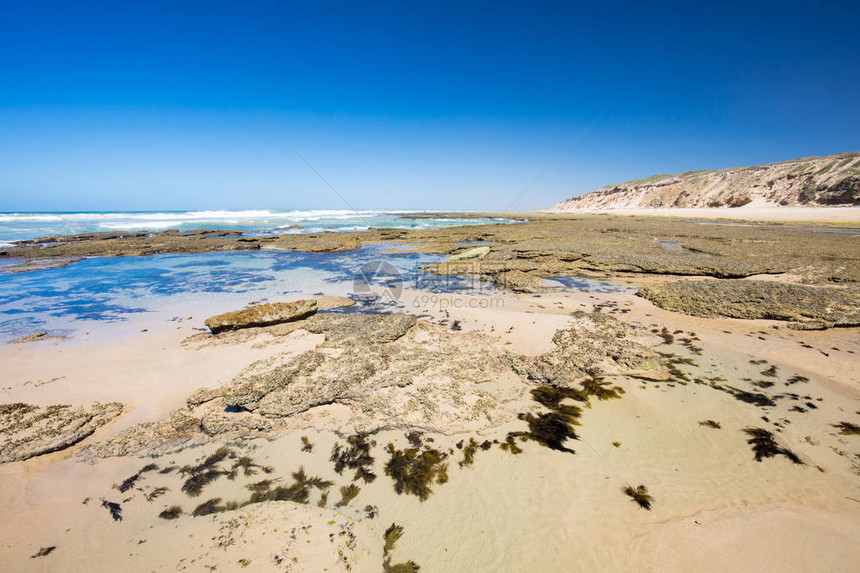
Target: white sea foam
(179,217)
(17,226)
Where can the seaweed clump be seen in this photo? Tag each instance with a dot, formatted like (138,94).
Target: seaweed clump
(764,446)
(392,534)
(130,481)
(249,468)
(43,551)
(299,491)
(156,493)
(172,512)
(771,372)
(414,471)
(847,428)
(469,451)
(203,474)
(347,494)
(710,424)
(510,444)
(755,398)
(601,390)
(113,508)
(209,507)
(355,457)
(639,495)
(554,428)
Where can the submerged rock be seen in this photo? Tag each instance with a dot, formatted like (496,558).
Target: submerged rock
(32,337)
(27,431)
(261,315)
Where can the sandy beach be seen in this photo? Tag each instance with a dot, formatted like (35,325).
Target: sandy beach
(654,397)
(751,212)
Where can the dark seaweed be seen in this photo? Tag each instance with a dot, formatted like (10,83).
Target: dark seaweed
(847,428)
(414,471)
(129,482)
(356,456)
(206,472)
(601,390)
(554,428)
(43,551)
(795,379)
(760,400)
(307,446)
(769,372)
(114,508)
(249,468)
(639,495)
(347,494)
(172,512)
(209,507)
(468,453)
(156,493)
(392,534)
(510,444)
(764,446)
(667,336)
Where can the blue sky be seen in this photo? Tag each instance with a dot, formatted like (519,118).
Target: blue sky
(411,105)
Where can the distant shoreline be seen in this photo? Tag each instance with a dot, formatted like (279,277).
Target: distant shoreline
(756,214)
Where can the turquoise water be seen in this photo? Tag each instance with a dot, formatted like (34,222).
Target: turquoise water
(19,226)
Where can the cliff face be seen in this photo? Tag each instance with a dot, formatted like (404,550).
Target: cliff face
(832,180)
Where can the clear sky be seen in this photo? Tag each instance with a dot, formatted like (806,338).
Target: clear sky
(412,105)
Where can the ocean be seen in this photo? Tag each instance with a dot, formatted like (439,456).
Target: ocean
(21,226)
(116,296)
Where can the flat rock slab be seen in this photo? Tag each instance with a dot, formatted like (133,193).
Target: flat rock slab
(27,431)
(803,306)
(262,315)
(476,253)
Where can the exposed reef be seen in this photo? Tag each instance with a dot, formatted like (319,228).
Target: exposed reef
(391,369)
(804,307)
(594,344)
(27,431)
(546,245)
